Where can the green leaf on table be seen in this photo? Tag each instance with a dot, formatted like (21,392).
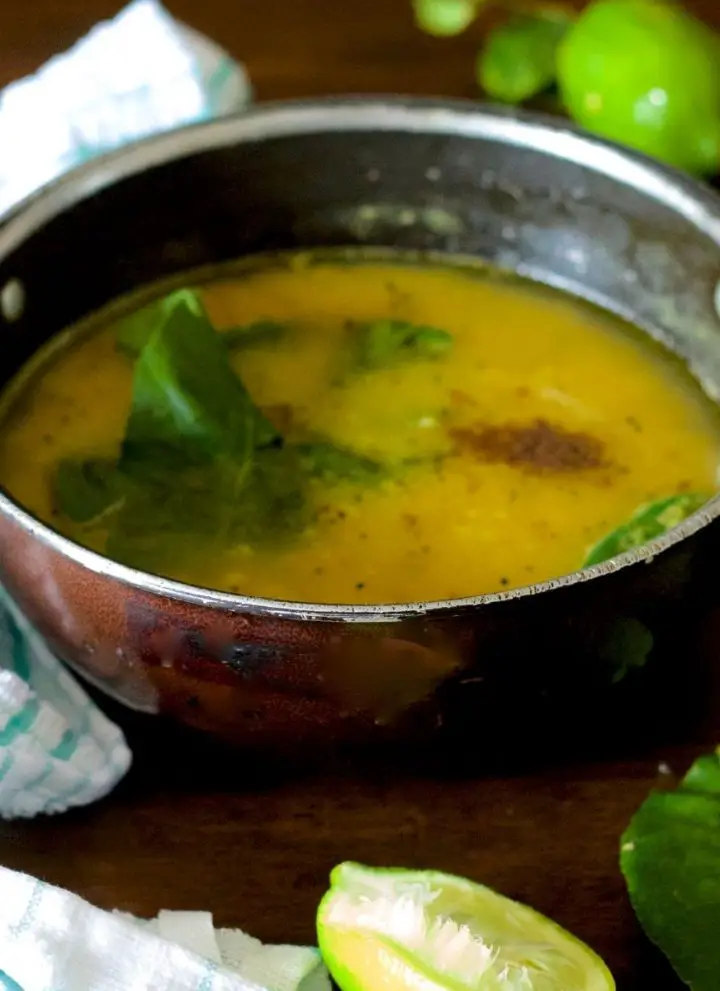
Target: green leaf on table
(704,775)
(670,857)
(646,524)
(517,61)
(382,343)
(445,18)
(188,405)
(83,490)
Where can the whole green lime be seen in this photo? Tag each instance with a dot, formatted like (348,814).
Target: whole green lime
(647,74)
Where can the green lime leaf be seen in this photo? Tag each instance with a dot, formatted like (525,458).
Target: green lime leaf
(188,406)
(175,522)
(647,74)
(203,468)
(704,775)
(85,489)
(444,18)
(670,857)
(382,343)
(646,524)
(172,520)
(134,331)
(518,59)
(333,464)
(444,933)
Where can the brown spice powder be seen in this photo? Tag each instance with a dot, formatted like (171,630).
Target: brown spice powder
(536,447)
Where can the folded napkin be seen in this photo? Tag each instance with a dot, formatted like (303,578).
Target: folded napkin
(56,748)
(131,77)
(51,940)
(136,75)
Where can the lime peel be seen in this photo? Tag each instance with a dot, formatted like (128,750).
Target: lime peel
(424,930)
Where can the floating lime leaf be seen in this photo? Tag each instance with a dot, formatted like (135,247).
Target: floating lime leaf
(188,406)
(445,18)
(176,518)
(646,524)
(85,489)
(332,464)
(169,524)
(670,857)
(518,59)
(133,333)
(135,330)
(381,343)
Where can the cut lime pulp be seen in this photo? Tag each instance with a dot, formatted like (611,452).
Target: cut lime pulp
(396,930)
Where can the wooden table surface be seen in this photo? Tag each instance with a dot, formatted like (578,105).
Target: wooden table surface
(192,829)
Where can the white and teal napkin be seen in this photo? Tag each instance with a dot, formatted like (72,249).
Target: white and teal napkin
(51,940)
(56,748)
(131,77)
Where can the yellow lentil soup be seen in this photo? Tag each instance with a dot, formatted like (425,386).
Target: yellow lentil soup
(392,431)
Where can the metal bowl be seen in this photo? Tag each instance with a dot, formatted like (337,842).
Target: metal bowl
(623,644)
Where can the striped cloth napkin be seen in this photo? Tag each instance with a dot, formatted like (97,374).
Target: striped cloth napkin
(56,748)
(136,75)
(51,940)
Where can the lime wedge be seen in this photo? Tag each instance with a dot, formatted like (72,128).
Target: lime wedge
(396,930)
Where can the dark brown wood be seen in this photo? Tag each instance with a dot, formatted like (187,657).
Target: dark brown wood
(196,828)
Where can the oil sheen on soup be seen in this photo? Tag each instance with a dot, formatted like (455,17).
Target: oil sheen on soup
(354,430)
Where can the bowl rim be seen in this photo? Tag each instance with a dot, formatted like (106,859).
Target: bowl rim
(553,136)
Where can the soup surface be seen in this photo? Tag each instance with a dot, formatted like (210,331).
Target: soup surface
(427,431)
